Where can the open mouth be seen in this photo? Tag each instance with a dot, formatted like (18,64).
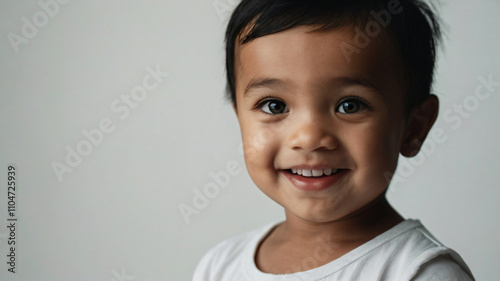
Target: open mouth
(314,173)
(314,180)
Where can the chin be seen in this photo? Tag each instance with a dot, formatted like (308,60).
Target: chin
(317,216)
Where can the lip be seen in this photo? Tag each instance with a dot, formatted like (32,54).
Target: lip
(313,183)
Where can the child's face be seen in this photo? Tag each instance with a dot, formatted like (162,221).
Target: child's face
(321,112)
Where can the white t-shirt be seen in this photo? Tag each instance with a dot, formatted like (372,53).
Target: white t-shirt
(403,253)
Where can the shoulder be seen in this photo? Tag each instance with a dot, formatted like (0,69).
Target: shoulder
(229,254)
(227,250)
(442,268)
(426,258)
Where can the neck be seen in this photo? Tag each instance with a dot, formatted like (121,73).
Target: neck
(353,229)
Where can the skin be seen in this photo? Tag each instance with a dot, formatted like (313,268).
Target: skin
(309,80)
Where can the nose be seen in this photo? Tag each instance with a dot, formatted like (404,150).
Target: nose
(313,132)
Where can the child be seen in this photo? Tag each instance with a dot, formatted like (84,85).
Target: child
(339,88)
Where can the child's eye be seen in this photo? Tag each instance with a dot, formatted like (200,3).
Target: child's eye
(350,106)
(273,107)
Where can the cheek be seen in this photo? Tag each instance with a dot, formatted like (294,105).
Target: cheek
(375,151)
(260,150)
(260,146)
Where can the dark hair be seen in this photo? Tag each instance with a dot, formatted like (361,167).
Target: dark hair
(414,29)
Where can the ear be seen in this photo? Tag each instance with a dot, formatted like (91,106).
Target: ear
(419,123)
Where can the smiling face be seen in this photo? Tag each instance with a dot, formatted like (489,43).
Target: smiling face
(304,109)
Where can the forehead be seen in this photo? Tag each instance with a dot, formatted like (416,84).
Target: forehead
(302,56)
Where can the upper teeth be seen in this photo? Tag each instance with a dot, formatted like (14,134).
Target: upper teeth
(314,173)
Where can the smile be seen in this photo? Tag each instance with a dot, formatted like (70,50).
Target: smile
(314,180)
(314,173)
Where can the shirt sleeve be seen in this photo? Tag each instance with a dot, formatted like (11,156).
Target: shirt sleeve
(441,268)
(202,271)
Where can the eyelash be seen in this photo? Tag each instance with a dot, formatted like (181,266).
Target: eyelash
(361,102)
(264,100)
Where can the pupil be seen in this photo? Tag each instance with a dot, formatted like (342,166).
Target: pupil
(350,107)
(276,107)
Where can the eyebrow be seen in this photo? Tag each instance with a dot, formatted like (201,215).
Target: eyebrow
(337,82)
(263,82)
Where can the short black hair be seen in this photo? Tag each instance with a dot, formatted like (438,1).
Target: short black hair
(415,30)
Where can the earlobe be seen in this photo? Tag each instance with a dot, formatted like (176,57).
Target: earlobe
(421,119)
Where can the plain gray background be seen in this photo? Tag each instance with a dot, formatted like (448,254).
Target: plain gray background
(117,212)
